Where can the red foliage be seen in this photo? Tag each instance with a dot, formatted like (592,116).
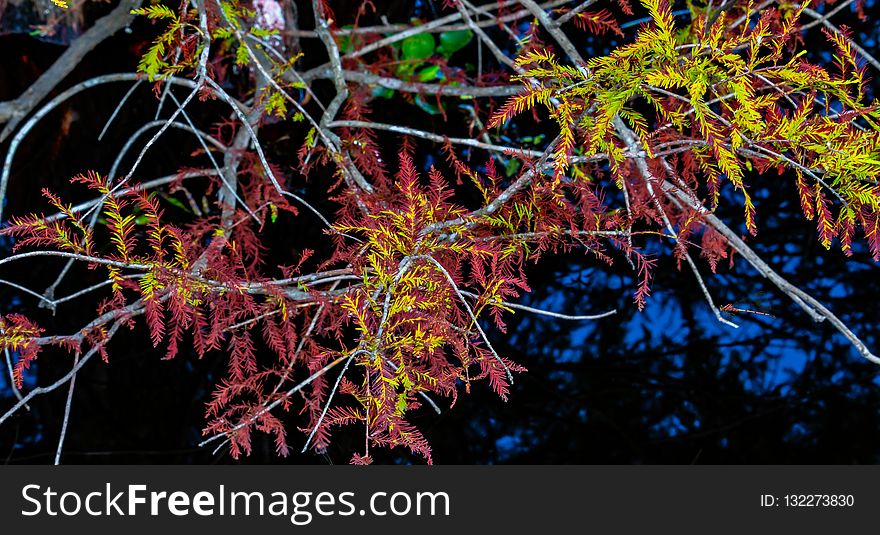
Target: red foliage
(388,312)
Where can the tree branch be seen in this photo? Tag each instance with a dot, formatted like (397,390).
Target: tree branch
(12,112)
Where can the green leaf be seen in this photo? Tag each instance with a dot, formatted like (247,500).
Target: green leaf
(276,105)
(383,92)
(241,56)
(222,33)
(151,63)
(512,167)
(156,11)
(310,137)
(430,73)
(452,42)
(176,203)
(418,47)
(404,70)
(344,41)
(263,33)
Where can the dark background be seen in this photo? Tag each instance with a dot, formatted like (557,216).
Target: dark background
(666,385)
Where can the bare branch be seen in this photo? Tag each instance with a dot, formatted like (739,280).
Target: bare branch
(541,312)
(67,405)
(14,111)
(54,103)
(435,137)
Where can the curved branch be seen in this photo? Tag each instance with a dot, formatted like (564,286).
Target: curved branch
(325,72)
(13,112)
(54,103)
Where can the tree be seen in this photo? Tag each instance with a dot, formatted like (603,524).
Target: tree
(304,242)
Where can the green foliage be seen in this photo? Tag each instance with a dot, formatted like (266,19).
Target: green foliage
(733,99)
(453,41)
(429,73)
(418,47)
(155,11)
(154,62)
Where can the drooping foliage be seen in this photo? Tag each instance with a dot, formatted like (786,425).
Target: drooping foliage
(724,100)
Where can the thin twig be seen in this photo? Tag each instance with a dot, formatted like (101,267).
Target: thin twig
(67,377)
(120,105)
(277,402)
(469,311)
(13,112)
(435,137)
(542,312)
(54,103)
(327,404)
(67,406)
